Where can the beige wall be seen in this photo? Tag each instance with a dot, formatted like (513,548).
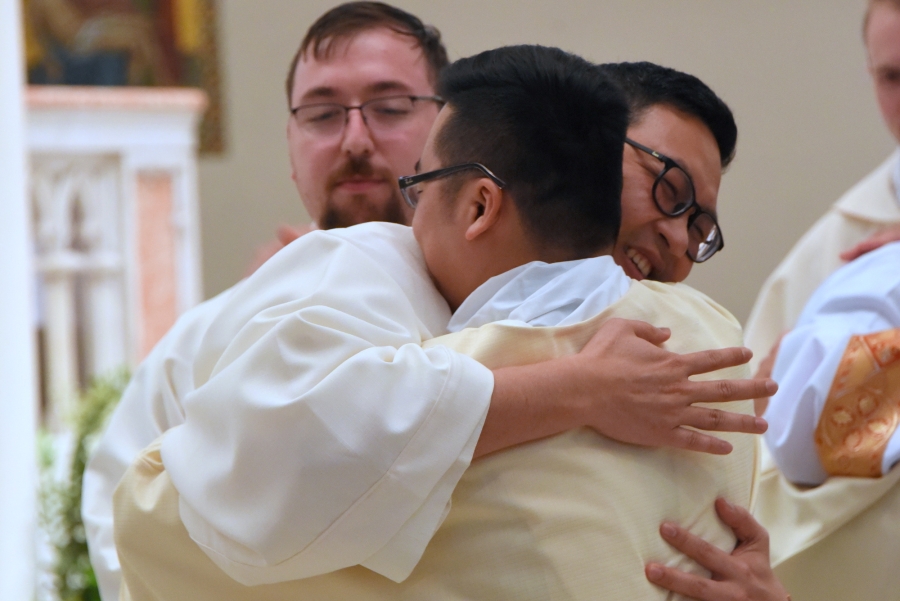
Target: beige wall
(793,72)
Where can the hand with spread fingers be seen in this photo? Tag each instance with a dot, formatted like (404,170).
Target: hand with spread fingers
(653,396)
(744,575)
(626,387)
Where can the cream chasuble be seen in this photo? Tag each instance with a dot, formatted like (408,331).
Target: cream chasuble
(869,206)
(572,517)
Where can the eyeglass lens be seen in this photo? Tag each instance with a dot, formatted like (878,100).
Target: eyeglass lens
(673,191)
(381,115)
(703,237)
(411,195)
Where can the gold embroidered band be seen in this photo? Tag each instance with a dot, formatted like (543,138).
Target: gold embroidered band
(862,410)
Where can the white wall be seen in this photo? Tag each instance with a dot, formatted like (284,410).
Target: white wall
(793,72)
(18,466)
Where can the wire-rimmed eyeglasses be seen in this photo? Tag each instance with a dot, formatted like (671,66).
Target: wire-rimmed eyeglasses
(381,115)
(410,191)
(673,194)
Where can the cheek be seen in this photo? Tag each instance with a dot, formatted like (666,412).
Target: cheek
(312,161)
(681,270)
(889,101)
(634,218)
(425,236)
(403,151)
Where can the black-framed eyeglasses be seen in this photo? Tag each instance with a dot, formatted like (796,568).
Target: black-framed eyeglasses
(673,194)
(381,115)
(409,183)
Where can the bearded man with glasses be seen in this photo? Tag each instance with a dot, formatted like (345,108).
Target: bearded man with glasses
(362,103)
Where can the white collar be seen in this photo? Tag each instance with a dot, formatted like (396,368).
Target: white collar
(544,294)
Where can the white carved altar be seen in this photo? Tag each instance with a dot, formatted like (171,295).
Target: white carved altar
(115,206)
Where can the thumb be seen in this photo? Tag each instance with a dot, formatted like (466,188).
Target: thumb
(287,234)
(650,333)
(745,527)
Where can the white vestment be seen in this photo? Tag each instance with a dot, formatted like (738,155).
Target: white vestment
(861,298)
(869,206)
(838,540)
(316,356)
(150,405)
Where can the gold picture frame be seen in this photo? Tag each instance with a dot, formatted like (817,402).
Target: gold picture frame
(128,42)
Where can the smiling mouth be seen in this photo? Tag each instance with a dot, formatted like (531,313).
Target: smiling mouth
(640,261)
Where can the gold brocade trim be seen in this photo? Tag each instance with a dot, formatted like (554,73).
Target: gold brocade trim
(862,410)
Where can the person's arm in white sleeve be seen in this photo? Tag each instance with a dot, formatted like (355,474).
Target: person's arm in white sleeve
(861,299)
(149,406)
(324,434)
(806,364)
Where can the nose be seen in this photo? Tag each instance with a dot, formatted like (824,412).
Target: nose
(357,138)
(674,232)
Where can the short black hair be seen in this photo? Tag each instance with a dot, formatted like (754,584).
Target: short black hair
(647,84)
(552,126)
(351,18)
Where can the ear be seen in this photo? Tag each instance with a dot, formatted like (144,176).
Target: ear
(484,207)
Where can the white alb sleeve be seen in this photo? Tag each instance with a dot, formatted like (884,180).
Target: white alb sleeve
(324,436)
(804,369)
(149,406)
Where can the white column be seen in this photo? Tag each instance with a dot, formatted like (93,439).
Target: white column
(18,471)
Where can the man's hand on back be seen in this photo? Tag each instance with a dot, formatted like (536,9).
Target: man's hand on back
(650,398)
(624,386)
(744,575)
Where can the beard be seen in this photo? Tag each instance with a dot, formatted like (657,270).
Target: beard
(361,208)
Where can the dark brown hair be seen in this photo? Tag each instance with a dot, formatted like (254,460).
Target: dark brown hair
(349,19)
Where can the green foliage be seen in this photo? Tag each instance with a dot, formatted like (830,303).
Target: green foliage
(61,497)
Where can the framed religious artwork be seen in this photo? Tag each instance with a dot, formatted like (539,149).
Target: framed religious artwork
(128,43)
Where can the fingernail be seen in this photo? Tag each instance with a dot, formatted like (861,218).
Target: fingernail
(771,387)
(668,530)
(654,571)
(761,424)
(727,504)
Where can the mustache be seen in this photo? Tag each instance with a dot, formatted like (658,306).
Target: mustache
(358,167)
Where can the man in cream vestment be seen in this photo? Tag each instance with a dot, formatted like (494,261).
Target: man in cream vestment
(869,207)
(570,517)
(832,504)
